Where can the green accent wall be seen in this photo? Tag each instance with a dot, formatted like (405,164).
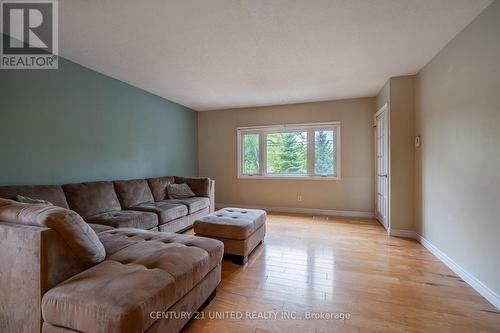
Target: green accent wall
(74,124)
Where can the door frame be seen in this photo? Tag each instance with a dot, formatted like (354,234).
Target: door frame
(384,108)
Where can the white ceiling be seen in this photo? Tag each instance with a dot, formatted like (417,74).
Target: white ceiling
(215,54)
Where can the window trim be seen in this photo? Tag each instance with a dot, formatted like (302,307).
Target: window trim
(263,130)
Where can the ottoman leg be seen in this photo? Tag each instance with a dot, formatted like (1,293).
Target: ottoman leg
(239,260)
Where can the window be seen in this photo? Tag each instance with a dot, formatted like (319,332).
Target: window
(310,151)
(251,148)
(286,153)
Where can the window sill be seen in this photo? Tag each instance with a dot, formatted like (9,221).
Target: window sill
(274,177)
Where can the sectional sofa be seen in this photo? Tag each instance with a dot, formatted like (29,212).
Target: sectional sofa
(60,274)
(137,203)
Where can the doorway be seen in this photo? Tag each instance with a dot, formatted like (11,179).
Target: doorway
(382,167)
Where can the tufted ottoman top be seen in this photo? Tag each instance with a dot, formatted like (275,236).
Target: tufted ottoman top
(231,223)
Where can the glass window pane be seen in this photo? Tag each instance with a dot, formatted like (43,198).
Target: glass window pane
(286,153)
(324,149)
(250,154)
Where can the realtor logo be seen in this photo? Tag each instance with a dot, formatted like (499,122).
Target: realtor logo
(29,34)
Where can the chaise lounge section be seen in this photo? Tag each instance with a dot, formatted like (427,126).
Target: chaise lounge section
(63,276)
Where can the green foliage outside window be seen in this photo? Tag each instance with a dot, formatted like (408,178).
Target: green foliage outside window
(251,154)
(287,153)
(323,152)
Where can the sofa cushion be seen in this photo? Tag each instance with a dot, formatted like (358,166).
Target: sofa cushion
(88,199)
(231,223)
(199,185)
(125,219)
(194,204)
(158,187)
(144,272)
(166,211)
(117,240)
(133,192)
(109,297)
(77,234)
(52,193)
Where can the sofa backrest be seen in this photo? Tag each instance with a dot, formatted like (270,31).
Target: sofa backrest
(133,192)
(92,198)
(52,193)
(158,187)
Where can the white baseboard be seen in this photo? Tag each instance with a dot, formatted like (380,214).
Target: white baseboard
(474,282)
(312,211)
(402,233)
(477,285)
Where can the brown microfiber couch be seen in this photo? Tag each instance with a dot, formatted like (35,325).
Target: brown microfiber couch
(137,203)
(59,274)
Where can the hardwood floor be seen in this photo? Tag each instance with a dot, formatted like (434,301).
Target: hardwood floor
(343,265)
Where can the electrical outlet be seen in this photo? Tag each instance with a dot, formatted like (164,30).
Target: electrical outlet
(299,197)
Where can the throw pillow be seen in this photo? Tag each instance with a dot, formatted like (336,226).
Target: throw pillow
(29,200)
(179,191)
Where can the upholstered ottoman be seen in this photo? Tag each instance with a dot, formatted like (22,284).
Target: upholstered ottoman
(241,230)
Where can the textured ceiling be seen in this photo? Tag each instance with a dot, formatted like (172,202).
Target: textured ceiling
(214,54)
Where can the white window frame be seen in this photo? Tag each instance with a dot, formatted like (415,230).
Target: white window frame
(307,127)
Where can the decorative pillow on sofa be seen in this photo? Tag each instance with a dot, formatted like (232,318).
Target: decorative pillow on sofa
(29,200)
(179,191)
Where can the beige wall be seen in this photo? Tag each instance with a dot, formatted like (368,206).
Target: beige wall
(402,129)
(458,164)
(354,192)
(398,94)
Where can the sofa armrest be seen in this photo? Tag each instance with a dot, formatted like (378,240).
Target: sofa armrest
(199,185)
(20,287)
(37,259)
(212,195)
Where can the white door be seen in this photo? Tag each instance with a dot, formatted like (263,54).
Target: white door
(382,167)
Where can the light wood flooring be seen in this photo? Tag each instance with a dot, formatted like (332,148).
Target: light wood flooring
(343,265)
